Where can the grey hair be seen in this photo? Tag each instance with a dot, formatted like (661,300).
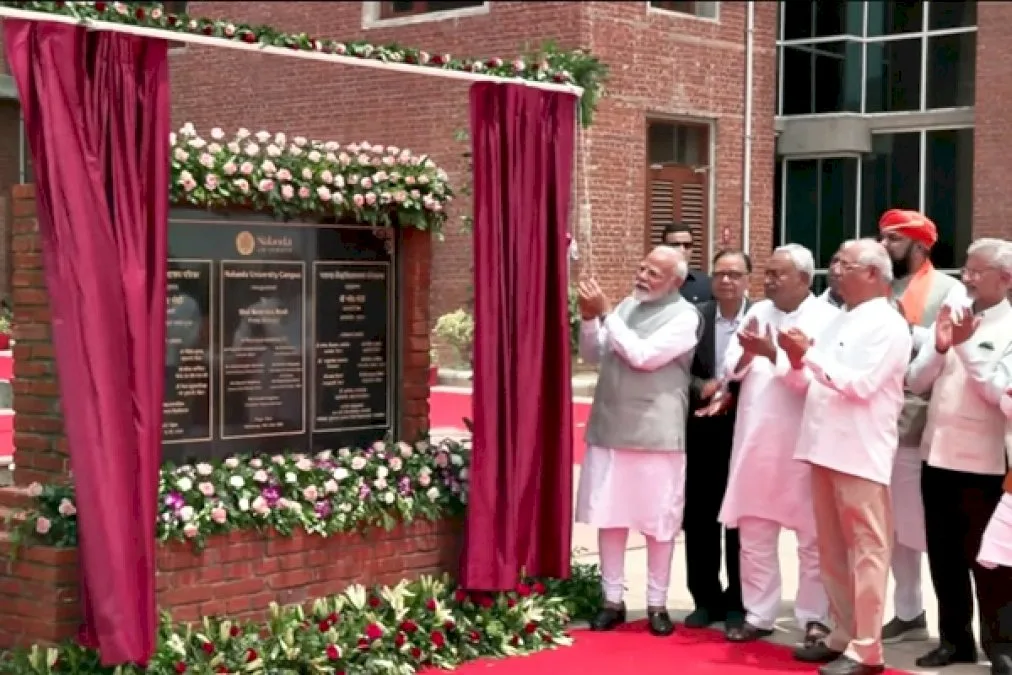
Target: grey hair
(681,264)
(873,254)
(998,252)
(802,259)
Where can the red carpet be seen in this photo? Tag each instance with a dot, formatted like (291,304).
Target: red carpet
(448,408)
(633,650)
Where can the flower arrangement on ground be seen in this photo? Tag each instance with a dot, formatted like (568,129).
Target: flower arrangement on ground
(344,490)
(360,182)
(428,622)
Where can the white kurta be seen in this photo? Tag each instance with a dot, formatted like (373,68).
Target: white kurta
(996,545)
(765,480)
(855,369)
(635,489)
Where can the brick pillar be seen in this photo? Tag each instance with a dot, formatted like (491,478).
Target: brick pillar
(38,590)
(416,268)
(40,446)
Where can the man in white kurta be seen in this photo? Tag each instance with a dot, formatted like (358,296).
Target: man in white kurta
(633,475)
(768,490)
(854,368)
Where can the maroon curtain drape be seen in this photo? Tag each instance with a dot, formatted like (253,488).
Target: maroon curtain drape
(519,516)
(96,109)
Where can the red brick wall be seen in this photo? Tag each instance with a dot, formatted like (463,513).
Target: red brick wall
(237,575)
(661,64)
(992,199)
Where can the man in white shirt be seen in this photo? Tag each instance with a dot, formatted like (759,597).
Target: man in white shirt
(633,475)
(854,369)
(768,489)
(963,446)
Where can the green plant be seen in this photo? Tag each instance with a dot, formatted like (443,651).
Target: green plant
(456,329)
(586,70)
(581,591)
(574,321)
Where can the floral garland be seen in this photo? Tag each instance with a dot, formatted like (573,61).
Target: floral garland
(265,171)
(392,630)
(342,491)
(546,65)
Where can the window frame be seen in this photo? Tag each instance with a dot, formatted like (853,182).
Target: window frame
(651,9)
(924,36)
(374,15)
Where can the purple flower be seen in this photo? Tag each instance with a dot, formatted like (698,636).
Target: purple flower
(271,494)
(322,509)
(175,501)
(404,485)
(364,491)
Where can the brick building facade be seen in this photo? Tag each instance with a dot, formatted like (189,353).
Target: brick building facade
(876,104)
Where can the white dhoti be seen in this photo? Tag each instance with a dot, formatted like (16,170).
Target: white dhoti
(908,505)
(760,574)
(996,545)
(911,540)
(623,490)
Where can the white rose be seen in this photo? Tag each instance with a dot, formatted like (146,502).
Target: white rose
(388,497)
(382,472)
(231,463)
(456,460)
(184,484)
(205,469)
(340,473)
(186,514)
(244,504)
(330,486)
(236,481)
(291,478)
(432,493)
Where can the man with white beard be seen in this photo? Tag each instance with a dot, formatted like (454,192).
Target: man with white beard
(768,490)
(964,447)
(633,475)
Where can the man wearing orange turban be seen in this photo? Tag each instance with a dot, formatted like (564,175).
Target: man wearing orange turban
(920,290)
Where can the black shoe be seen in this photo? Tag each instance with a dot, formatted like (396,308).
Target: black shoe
(898,630)
(660,623)
(701,618)
(734,619)
(815,633)
(946,655)
(818,652)
(608,618)
(746,632)
(848,666)
(1001,665)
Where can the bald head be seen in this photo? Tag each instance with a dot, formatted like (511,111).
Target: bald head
(661,272)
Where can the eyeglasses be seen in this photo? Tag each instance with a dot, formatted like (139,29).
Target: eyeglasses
(969,273)
(732,275)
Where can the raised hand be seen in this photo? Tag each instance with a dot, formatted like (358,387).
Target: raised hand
(591,300)
(943,329)
(795,344)
(755,343)
(964,327)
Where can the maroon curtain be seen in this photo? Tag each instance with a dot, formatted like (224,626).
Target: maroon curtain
(96,109)
(519,518)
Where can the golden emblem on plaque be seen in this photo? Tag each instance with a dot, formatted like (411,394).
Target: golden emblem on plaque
(245,243)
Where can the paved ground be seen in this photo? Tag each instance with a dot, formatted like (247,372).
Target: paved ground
(900,656)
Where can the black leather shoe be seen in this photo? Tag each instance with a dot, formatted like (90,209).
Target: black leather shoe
(746,632)
(608,618)
(815,632)
(946,655)
(734,619)
(660,623)
(1001,665)
(816,653)
(701,618)
(848,666)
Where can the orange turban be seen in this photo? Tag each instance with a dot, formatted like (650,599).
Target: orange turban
(910,224)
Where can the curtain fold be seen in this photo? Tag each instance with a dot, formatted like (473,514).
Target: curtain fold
(519,517)
(97,113)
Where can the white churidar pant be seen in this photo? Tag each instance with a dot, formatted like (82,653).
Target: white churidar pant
(911,542)
(623,490)
(760,574)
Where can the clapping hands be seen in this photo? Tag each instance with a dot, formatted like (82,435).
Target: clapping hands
(591,300)
(754,343)
(795,344)
(951,331)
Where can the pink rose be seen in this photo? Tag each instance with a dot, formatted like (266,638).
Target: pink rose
(43,525)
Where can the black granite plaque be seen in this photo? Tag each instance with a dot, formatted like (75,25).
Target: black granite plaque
(351,369)
(280,336)
(187,404)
